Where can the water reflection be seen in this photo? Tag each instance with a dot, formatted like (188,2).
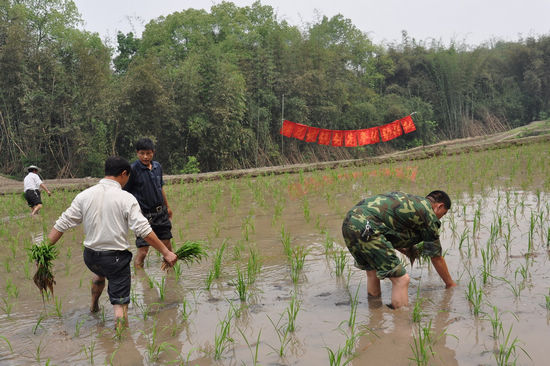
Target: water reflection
(389,334)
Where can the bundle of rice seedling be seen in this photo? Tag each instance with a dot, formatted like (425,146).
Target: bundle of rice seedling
(189,252)
(43,254)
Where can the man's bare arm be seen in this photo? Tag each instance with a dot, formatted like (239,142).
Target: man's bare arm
(153,240)
(46,189)
(54,236)
(443,272)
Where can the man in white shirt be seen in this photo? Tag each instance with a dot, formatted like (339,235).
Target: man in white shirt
(31,186)
(107,212)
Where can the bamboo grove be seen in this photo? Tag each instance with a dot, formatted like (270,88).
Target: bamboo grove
(212,87)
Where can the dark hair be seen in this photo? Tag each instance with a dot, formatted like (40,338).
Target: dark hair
(145,144)
(115,165)
(440,196)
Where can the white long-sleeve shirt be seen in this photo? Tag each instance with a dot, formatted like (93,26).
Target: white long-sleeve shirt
(107,212)
(31,181)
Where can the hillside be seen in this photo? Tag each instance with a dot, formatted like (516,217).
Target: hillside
(534,132)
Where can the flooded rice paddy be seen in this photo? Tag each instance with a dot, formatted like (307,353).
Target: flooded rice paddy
(279,287)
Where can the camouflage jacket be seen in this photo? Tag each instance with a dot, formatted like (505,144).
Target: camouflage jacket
(405,220)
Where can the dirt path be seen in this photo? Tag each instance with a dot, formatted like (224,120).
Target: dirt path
(540,130)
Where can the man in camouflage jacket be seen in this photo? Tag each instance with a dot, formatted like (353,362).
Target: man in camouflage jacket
(379,225)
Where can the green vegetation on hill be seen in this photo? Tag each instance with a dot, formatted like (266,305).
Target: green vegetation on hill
(209,86)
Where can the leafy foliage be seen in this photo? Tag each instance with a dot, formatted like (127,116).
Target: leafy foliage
(210,86)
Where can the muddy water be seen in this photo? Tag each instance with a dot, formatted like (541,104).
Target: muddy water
(182,327)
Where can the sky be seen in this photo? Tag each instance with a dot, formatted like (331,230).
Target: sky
(470,21)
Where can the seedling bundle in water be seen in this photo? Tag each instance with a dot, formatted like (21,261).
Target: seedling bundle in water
(189,252)
(43,254)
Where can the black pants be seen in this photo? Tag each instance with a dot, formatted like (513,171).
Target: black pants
(115,266)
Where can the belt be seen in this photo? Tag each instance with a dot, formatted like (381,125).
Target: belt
(155,209)
(104,253)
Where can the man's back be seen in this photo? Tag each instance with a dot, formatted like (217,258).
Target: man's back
(106,213)
(31,181)
(403,218)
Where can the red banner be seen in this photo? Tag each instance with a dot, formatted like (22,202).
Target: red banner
(312,134)
(337,138)
(299,131)
(407,124)
(351,138)
(287,128)
(368,136)
(324,137)
(348,138)
(391,131)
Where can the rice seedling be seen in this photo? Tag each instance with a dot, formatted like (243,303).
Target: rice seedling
(514,287)
(7,342)
(241,285)
(223,339)
(217,264)
(38,351)
(11,288)
(338,357)
(417,313)
(305,206)
(178,271)
(189,252)
(283,334)
(213,203)
(237,250)
(496,322)
(209,279)
(6,306)
(532,223)
(111,357)
(185,310)
(422,344)
(464,237)
(235,195)
(247,226)
(292,312)
(145,309)
(253,265)
(328,244)
(38,323)
(508,238)
(506,352)
(78,325)
(13,248)
(523,271)
(254,352)
(547,297)
(102,314)
(151,282)
(474,294)
(285,239)
(27,270)
(43,254)
(486,266)
(299,254)
(58,307)
(278,210)
(153,347)
(340,260)
(161,286)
